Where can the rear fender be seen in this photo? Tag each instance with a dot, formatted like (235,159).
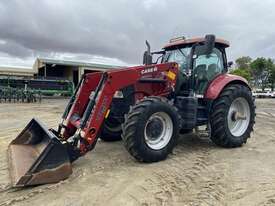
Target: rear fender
(220,82)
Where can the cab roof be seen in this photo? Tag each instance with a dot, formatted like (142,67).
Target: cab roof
(182,41)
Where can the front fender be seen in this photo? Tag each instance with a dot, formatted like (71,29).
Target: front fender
(216,85)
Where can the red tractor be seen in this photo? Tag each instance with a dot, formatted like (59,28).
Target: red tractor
(147,106)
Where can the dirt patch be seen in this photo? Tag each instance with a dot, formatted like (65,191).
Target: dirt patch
(197,173)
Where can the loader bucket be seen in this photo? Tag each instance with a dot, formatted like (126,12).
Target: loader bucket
(36,156)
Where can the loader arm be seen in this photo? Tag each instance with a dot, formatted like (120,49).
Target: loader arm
(95,94)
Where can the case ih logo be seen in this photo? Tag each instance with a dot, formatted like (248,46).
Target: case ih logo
(149,70)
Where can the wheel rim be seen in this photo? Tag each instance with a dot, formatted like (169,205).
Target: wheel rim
(238,117)
(158,130)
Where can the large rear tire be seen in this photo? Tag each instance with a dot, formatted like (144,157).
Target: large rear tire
(151,129)
(232,117)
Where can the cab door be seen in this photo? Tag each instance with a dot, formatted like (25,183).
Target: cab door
(206,68)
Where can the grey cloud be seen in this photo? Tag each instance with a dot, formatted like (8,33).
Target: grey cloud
(118,29)
(14,49)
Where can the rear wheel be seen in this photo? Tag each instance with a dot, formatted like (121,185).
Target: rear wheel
(232,117)
(151,129)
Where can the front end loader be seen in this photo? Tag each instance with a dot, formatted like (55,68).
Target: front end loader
(147,106)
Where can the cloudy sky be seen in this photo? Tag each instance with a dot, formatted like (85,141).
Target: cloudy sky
(114,31)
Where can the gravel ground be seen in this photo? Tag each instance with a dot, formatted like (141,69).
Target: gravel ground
(197,173)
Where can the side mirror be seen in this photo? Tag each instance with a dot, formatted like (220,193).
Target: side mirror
(147,56)
(209,43)
(207,47)
(229,64)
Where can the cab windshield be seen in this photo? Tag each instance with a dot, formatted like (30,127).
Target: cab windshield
(178,55)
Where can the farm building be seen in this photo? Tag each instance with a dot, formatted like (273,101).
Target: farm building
(48,76)
(69,70)
(54,69)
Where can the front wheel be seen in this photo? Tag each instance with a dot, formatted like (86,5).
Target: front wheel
(232,117)
(151,129)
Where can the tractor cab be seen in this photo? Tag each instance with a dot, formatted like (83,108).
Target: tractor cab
(200,60)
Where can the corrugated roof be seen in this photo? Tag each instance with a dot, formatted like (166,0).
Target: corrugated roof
(76,63)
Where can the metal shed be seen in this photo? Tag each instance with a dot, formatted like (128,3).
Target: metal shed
(69,70)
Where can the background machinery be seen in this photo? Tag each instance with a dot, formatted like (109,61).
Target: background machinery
(26,89)
(188,86)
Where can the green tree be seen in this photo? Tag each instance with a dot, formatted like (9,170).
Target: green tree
(272,77)
(243,62)
(260,69)
(242,72)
